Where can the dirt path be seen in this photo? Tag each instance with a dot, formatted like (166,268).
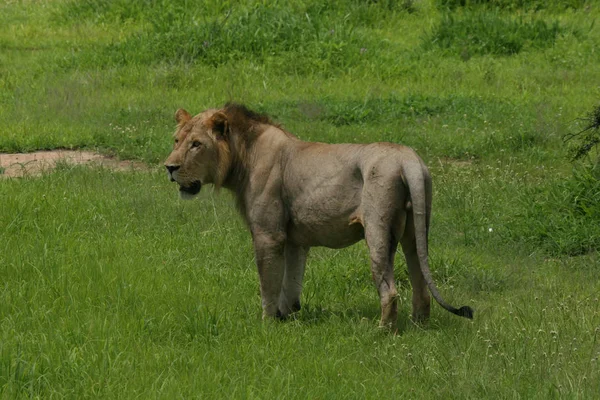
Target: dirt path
(33,164)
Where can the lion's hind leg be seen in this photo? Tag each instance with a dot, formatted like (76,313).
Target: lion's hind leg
(382,248)
(421,300)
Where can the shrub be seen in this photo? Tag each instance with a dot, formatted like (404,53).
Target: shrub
(588,138)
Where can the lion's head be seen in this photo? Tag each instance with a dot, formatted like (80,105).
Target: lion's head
(201,153)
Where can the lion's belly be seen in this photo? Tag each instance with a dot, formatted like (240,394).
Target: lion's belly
(326,218)
(334,233)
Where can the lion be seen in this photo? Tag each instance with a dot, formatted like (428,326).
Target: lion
(294,195)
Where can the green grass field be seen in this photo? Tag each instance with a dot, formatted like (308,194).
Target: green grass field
(111,287)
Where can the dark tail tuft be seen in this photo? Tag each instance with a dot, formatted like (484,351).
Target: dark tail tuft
(465,311)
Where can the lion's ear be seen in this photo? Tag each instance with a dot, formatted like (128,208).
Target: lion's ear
(182,116)
(219,125)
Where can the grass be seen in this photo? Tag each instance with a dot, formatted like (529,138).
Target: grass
(151,310)
(565,214)
(312,33)
(517,5)
(110,287)
(488,33)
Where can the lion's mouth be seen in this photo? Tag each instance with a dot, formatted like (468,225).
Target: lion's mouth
(192,189)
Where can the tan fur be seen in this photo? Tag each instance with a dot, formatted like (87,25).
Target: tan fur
(295,195)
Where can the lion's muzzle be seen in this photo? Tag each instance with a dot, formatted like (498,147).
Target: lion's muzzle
(171,170)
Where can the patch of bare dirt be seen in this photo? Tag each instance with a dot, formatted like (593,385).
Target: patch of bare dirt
(33,164)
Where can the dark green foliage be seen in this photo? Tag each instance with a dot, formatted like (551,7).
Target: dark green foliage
(588,138)
(381,110)
(490,33)
(120,11)
(103,10)
(564,217)
(512,5)
(361,12)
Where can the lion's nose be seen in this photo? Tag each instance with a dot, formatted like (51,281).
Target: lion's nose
(171,169)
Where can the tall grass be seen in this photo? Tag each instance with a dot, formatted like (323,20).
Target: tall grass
(490,33)
(310,36)
(564,215)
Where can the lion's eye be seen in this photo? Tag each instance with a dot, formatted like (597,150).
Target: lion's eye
(196,143)
(176,141)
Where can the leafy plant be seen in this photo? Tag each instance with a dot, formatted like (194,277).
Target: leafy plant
(589,137)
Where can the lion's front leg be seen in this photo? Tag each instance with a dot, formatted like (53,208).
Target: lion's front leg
(295,261)
(270,259)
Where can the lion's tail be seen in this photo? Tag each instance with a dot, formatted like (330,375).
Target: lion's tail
(415,179)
